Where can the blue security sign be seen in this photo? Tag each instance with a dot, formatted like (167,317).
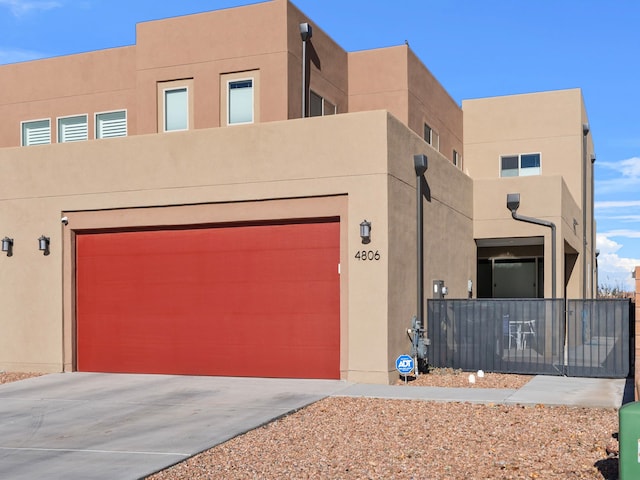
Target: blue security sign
(404,364)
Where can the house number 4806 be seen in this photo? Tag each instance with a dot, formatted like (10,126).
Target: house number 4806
(368,255)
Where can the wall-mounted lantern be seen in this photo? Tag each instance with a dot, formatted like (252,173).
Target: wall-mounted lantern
(43,244)
(7,246)
(365,231)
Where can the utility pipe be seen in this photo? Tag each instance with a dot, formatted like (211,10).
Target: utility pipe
(513,203)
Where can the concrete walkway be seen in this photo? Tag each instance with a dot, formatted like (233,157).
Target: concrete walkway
(547,390)
(107,426)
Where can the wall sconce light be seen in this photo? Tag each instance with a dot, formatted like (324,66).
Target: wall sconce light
(43,245)
(7,246)
(365,232)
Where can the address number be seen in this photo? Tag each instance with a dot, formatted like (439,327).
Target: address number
(368,255)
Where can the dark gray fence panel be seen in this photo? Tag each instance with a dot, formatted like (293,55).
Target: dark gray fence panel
(598,338)
(497,335)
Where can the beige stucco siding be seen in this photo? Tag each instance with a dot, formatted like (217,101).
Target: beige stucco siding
(365,159)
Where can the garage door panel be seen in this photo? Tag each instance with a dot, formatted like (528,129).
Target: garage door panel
(251,300)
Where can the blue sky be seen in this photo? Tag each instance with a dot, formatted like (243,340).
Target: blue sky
(474,48)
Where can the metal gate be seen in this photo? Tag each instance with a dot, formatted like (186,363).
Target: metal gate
(531,336)
(598,338)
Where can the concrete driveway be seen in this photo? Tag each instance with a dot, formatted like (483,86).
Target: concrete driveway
(104,426)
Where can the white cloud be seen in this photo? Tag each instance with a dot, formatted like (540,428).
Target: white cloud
(617,204)
(606,245)
(626,218)
(622,233)
(629,175)
(629,168)
(23,7)
(614,270)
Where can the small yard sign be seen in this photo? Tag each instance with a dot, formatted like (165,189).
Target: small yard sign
(404,364)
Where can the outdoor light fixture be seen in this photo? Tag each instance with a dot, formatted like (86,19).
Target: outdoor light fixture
(365,231)
(7,246)
(306,32)
(43,245)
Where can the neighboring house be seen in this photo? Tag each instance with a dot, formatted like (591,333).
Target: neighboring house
(192,223)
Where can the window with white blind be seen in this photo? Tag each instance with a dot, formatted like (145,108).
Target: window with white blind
(240,101)
(36,132)
(176,109)
(111,124)
(73,129)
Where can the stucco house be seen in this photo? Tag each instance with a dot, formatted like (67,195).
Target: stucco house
(166,209)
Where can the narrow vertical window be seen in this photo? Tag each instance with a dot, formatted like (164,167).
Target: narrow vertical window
(315,105)
(456,158)
(73,129)
(36,132)
(427,133)
(240,102)
(111,124)
(431,137)
(176,109)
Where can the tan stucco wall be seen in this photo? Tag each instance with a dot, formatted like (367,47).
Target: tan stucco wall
(355,166)
(73,85)
(492,218)
(406,88)
(549,123)
(328,73)
(430,103)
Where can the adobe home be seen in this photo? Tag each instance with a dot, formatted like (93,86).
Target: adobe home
(175,206)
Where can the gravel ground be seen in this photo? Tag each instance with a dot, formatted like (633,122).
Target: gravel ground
(8,377)
(359,438)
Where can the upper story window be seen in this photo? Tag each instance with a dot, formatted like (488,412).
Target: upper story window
(176,109)
(240,97)
(520,165)
(240,101)
(319,106)
(175,105)
(111,124)
(457,159)
(36,132)
(431,137)
(73,129)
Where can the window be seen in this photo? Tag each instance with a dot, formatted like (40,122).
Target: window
(175,105)
(431,137)
(176,109)
(520,165)
(457,160)
(240,101)
(73,129)
(319,106)
(111,124)
(36,132)
(239,97)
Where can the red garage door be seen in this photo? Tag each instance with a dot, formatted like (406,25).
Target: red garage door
(259,300)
